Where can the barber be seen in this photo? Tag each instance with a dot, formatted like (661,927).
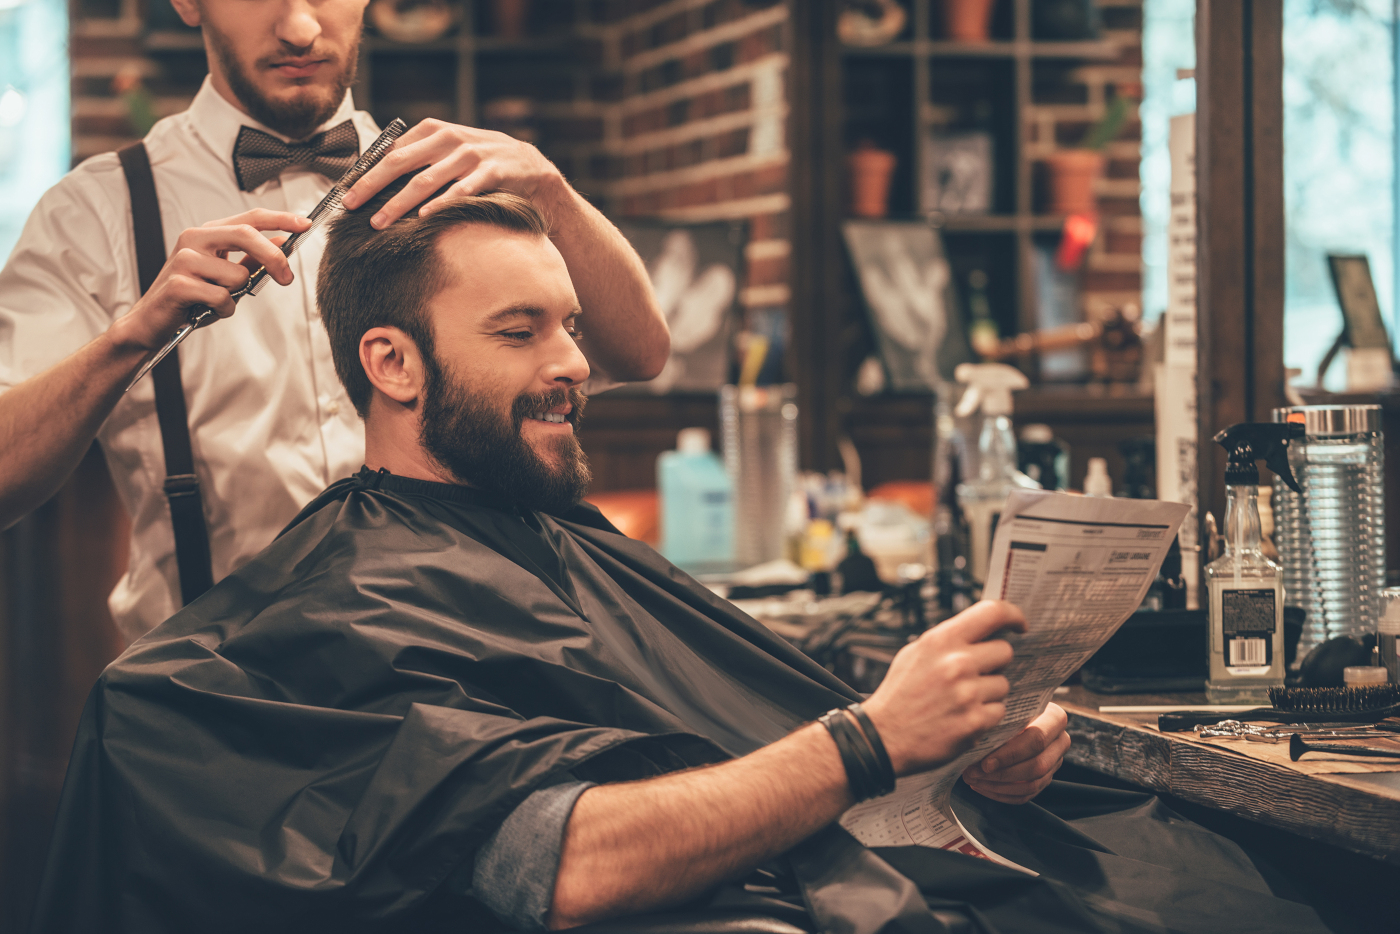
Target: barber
(269,424)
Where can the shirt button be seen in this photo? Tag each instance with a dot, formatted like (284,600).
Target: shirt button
(333,407)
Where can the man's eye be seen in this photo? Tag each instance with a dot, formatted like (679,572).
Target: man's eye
(521,336)
(576,334)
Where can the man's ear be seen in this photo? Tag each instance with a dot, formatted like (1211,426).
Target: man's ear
(393,364)
(188,10)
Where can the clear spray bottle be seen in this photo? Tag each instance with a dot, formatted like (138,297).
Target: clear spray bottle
(982,496)
(1245,588)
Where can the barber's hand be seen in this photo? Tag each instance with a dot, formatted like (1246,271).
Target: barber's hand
(476,160)
(200,271)
(941,691)
(1021,769)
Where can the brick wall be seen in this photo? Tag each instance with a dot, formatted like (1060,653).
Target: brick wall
(1066,103)
(698,130)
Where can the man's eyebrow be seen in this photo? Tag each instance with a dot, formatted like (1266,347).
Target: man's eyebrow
(533,312)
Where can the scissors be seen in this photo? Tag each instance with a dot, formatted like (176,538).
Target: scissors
(330,206)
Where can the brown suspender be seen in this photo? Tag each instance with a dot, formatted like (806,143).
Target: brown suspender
(181,484)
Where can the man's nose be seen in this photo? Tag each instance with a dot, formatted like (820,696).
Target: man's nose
(299,25)
(566,363)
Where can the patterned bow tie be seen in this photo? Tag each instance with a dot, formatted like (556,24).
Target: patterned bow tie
(258,156)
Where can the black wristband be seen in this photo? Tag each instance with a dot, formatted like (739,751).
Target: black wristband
(856,756)
(884,775)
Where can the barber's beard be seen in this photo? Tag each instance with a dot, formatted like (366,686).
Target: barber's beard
(466,433)
(295,118)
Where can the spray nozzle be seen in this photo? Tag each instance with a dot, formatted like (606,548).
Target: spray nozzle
(989,387)
(1248,442)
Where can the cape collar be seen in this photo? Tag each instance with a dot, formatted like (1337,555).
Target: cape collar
(382,479)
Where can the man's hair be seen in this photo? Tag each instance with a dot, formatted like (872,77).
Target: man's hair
(384,278)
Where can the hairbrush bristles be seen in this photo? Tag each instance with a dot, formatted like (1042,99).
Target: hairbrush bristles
(1335,700)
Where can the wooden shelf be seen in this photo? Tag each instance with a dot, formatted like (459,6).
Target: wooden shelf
(1006,48)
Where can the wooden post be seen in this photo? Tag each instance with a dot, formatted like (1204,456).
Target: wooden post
(1240,236)
(817,262)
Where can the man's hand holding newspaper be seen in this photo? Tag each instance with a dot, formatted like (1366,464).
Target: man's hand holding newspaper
(1076,567)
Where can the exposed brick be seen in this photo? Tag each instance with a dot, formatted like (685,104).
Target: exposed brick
(770,227)
(1123,243)
(1093,281)
(1119,207)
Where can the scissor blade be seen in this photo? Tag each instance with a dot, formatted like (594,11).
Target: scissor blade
(161,354)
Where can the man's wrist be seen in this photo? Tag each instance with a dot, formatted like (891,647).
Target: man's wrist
(126,337)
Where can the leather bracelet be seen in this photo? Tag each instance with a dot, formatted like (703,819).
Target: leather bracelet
(885,777)
(856,755)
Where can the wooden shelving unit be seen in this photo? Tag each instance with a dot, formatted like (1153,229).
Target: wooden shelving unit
(895,95)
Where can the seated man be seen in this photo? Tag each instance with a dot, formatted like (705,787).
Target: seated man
(452,697)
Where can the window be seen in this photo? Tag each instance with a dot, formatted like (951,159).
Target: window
(34,113)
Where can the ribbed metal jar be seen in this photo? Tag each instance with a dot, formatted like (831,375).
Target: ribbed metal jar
(1331,538)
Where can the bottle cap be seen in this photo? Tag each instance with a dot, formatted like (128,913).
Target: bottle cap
(693,441)
(1096,481)
(1364,674)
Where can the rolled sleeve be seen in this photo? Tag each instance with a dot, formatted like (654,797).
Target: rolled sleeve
(516,868)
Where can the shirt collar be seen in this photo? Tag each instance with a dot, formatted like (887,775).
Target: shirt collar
(217,121)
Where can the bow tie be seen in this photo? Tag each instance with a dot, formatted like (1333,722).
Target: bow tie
(259,156)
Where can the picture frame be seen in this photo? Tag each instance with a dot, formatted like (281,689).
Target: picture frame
(907,283)
(958,174)
(1356,294)
(697,271)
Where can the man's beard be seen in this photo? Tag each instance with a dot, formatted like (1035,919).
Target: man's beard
(297,118)
(480,447)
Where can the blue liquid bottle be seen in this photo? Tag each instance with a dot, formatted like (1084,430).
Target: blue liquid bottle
(697,505)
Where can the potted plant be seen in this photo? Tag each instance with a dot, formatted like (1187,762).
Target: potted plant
(1074,171)
(968,20)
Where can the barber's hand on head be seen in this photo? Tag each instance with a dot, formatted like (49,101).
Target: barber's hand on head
(942,690)
(1020,769)
(200,272)
(476,160)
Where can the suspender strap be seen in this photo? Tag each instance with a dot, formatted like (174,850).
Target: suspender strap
(181,483)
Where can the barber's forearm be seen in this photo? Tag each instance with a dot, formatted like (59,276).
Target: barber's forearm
(647,845)
(48,422)
(623,327)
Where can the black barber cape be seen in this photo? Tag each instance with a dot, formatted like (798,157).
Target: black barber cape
(324,739)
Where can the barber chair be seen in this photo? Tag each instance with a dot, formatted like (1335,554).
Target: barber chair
(719,921)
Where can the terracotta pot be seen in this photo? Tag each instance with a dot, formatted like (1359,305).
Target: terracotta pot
(968,20)
(870,173)
(1072,176)
(512,18)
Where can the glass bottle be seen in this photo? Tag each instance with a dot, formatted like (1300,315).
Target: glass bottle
(1245,591)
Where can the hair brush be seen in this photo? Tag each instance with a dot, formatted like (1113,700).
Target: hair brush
(1365,704)
(330,206)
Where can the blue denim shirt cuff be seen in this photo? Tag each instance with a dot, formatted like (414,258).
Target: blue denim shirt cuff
(515,869)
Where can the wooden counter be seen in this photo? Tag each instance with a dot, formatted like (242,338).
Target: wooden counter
(1358,812)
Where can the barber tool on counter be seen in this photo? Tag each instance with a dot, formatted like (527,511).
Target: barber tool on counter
(989,387)
(1245,588)
(1330,528)
(329,208)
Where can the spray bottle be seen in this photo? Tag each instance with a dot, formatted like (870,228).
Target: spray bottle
(982,497)
(1245,588)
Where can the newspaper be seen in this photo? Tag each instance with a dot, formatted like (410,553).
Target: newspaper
(1077,567)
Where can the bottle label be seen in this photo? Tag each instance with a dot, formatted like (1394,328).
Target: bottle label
(1248,620)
